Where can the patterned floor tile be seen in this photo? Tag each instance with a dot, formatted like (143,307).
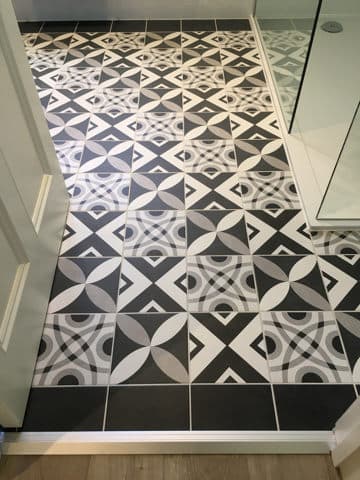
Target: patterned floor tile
(157,191)
(45,78)
(221,283)
(209,156)
(75,350)
(216,232)
(249,99)
(107,157)
(199,39)
(88,41)
(212,100)
(163,40)
(212,191)
(69,155)
(78,78)
(160,100)
(100,191)
(153,284)
(111,100)
(28,39)
(227,348)
(261,155)
(268,190)
(70,101)
(93,234)
(349,325)
(47,41)
(206,125)
(68,126)
(158,158)
(112,126)
(155,233)
(161,77)
(304,347)
(336,243)
(254,125)
(69,179)
(341,277)
(122,40)
(244,77)
(84,58)
(160,126)
(235,39)
(162,58)
(203,78)
(150,349)
(290,282)
(45,59)
(201,57)
(277,232)
(44,96)
(122,58)
(85,285)
(240,57)
(120,77)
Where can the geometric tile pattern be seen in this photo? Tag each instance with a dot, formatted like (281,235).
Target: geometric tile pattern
(150,348)
(75,350)
(221,283)
(349,326)
(342,280)
(93,234)
(185,239)
(290,283)
(304,347)
(227,348)
(277,232)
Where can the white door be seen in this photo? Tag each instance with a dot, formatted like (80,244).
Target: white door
(33,205)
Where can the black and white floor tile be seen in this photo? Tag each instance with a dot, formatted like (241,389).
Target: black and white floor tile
(189,293)
(304,347)
(150,348)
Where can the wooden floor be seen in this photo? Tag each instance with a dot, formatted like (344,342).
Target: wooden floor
(168,467)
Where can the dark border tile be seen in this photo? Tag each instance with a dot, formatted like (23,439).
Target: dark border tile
(128,26)
(148,408)
(311,407)
(59,27)
(65,409)
(94,26)
(30,27)
(163,25)
(198,25)
(276,24)
(233,24)
(232,407)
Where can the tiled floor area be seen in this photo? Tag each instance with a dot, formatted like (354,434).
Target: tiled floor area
(189,293)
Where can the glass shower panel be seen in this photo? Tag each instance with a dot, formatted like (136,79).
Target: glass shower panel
(286,28)
(330,90)
(342,198)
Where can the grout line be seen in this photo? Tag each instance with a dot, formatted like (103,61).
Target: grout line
(275,407)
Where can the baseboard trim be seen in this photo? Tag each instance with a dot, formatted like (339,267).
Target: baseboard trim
(207,442)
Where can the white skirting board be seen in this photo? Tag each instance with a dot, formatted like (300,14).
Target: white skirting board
(101,443)
(31,10)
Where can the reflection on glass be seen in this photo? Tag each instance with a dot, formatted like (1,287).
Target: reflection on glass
(341,200)
(286,29)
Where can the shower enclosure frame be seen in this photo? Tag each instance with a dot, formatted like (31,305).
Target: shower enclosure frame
(301,155)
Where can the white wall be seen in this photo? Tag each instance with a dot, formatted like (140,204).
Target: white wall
(130,9)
